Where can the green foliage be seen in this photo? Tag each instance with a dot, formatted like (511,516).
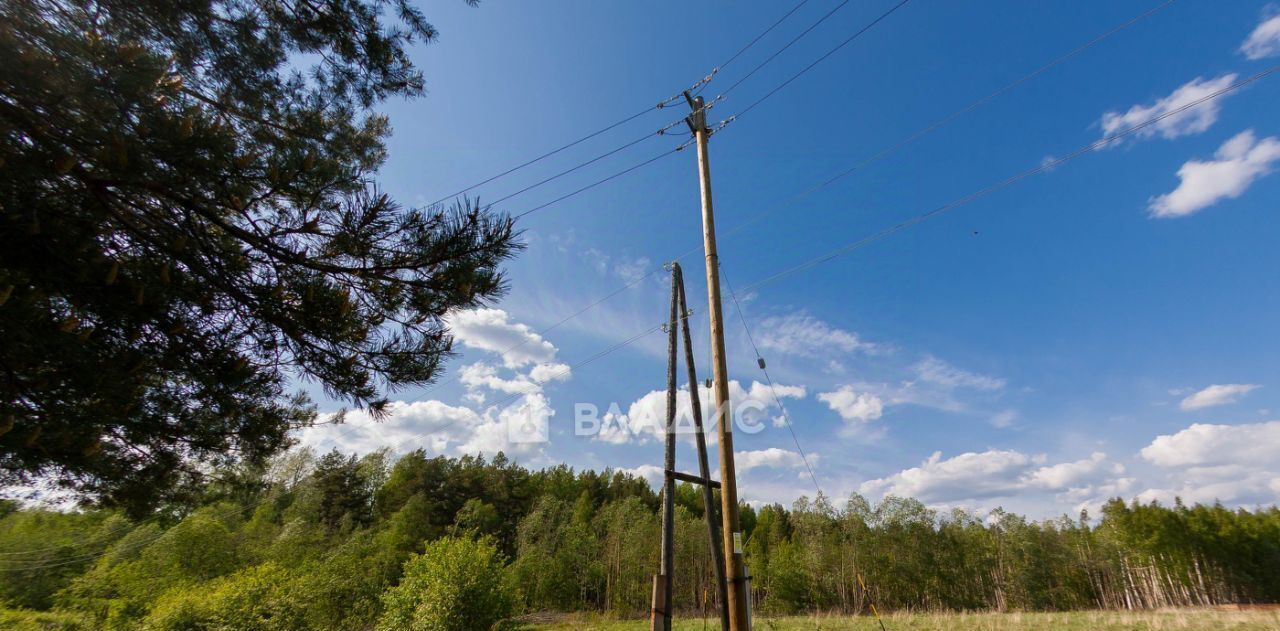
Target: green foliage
(345,499)
(190,200)
(283,551)
(23,620)
(456,584)
(254,599)
(52,549)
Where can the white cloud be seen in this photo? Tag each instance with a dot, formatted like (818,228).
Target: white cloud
(491,330)
(1091,497)
(1204,445)
(772,457)
(852,405)
(938,372)
(806,336)
(968,476)
(1234,464)
(437,428)
(1264,41)
(1217,394)
(543,373)
(516,429)
(481,374)
(1190,121)
(1238,162)
(430,425)
(645,418)
(990,474)
(1072,474)
(653,474)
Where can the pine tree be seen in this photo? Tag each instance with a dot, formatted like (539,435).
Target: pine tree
(189,222)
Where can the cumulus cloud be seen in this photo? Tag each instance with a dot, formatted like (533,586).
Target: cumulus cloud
(935,371)
(1264,41)
(1073,474)
(492,330)
(645,418)
(806,336)
(652,474)
(429,425)
(480,374)
(990,474)
(1193,120)
(1217,394)
(1230,463)
(772,457)
(852,405)
(1204,444)
(1236,165)
(543,373)
(520,428)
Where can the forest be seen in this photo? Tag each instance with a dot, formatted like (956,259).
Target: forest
(338,541)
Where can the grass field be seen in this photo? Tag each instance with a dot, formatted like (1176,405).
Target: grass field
(1074,621)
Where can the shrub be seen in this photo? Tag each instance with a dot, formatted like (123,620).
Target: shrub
(455,585)
(257,598)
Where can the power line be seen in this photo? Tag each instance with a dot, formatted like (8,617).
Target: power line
(1044,166)
(761,35)
(819,60)
(698,86)
(949,118)
(553,152)
(603,180)
(788,45)
(580,165)
(879,155)
(786,418)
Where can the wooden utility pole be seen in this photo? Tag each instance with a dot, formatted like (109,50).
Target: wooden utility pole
(736,577)
(661,618)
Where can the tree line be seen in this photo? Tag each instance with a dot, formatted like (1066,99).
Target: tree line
(322,542)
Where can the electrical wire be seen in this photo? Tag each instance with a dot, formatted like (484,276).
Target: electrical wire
(786,418)
(949,118)
(603,180)
(1005,183)
(873,158)
(580,165)
(696,87)
(548,154)
(789,44)
(761,35)
(819,60)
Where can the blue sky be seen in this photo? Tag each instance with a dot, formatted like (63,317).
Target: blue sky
(1107,327)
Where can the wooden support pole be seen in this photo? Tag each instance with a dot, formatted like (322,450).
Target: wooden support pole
(658,618)
(669,461)
(737,588)
(693,479)
(704,469)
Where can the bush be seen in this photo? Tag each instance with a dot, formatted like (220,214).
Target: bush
(256,598)
(25,620)
(455,585)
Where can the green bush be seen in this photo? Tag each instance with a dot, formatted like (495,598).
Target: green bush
(256,598)
(26,620)
(455,585)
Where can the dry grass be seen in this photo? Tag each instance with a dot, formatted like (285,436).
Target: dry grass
(1172,619)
